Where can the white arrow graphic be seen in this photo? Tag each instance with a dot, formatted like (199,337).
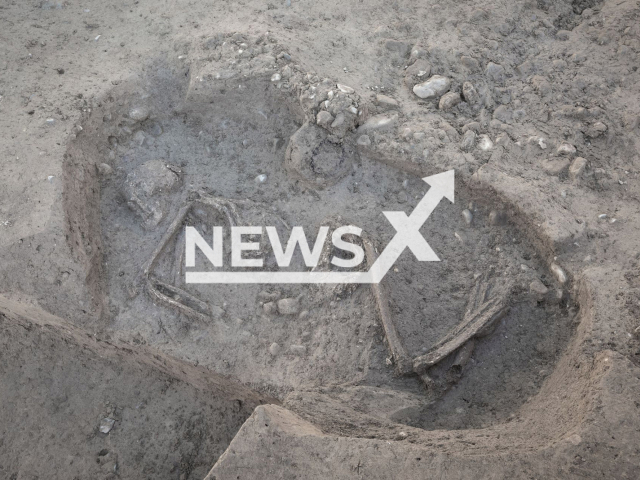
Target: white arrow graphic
(407,236)
(408,227)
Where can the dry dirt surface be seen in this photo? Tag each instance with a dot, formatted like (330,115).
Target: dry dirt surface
(517,355)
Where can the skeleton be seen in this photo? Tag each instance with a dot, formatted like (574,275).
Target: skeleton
(486,307)
(170,295)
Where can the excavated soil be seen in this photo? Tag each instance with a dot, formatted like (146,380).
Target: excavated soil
(113,366)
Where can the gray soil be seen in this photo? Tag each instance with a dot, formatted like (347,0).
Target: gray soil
(119,119)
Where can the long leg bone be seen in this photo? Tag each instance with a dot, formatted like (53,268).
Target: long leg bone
(398,352)
(482,314)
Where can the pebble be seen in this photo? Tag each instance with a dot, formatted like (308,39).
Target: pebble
(503,114)
(470,93)
(289,306)
(324,119)
(577,168)
(139,138)
(378,123)
(344,88)
(538,290)
(555,166)
(139,114)
(339,121)
(495,73)
(497,217)
(435,87)
(468,216)
(566,149)
(364,140)
(469,63)
(276,77)
(416,72)
(449,100)
(485,143)
(595,130)
(298,349)
(274,349)
(261,178)
(270,308)
(105,169)
(558,272)
(106,424)
(468,141)
(386,102)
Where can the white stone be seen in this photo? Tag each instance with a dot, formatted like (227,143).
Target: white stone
(435,87)
(344,88)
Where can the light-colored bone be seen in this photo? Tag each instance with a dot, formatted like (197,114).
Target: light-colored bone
(400,356)
(482,314)
(170,295)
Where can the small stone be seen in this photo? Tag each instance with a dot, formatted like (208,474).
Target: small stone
(473,126)
(364,140)
(538,290)
(541,85)
(401,435)
(435,87)
(468,141)
(105,169)
(339,121)
(270,308)
(276,77)
(469,63)
(497,218)
(261,178)
(324,119)
(555,166)
(503,114)
(139,114)
(485,143)
(495,73)
(470,94)
(403,49)
(274,349)
(449,100)
(386,102)
(344,88)
(378,123)
(596,130)
(559,273)
(417,72)
(298,350)
(577,168)
(468,216)
(139,138)
(106,424)
(289,306)
(566,149)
